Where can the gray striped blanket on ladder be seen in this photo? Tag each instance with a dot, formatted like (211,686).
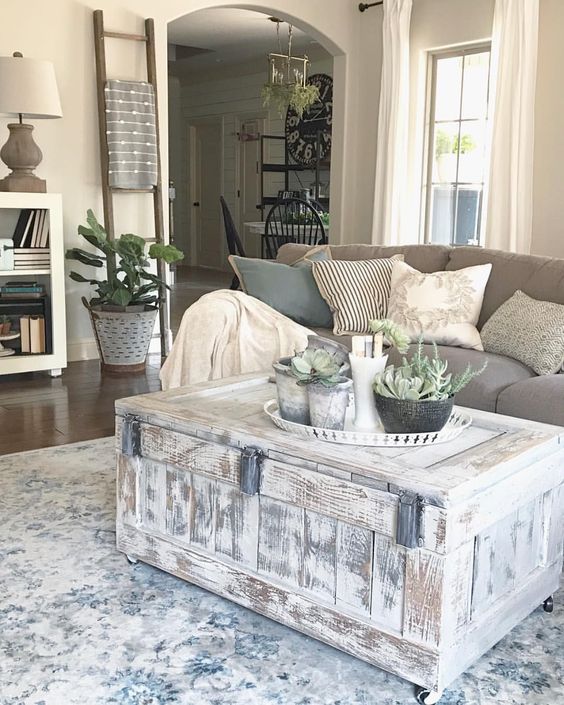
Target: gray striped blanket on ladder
(131,134)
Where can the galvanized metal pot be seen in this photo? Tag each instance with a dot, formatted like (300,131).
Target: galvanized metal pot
(123,338)
(328,405)
(293,401)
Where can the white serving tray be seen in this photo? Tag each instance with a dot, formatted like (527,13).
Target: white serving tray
(457,422)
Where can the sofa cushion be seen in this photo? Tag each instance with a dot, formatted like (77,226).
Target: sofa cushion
(440,307)
(425,258)
(484,390)
(540,399)
(539,277)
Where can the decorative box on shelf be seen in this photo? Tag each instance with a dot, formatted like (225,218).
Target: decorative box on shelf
(31,225)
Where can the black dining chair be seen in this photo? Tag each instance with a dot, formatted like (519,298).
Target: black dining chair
(234,244)
(292,220)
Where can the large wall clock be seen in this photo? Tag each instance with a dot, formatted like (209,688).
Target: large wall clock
(301,133)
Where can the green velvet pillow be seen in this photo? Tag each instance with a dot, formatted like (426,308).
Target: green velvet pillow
(289,289)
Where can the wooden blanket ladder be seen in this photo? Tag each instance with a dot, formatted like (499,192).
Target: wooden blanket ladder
(100,36)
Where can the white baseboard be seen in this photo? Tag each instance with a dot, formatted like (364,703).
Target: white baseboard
(86,349)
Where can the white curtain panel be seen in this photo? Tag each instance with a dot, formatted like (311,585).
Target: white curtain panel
(513,74)
(393,122)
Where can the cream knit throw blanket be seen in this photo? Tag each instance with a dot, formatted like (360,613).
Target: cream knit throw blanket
(228,333)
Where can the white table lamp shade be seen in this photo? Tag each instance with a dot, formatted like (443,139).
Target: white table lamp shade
(28,87)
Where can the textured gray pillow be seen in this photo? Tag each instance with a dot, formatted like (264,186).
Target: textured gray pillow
(527,330)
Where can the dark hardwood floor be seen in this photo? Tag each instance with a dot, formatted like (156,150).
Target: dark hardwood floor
(37,411)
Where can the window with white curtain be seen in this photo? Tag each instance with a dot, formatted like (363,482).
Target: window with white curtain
(456,167)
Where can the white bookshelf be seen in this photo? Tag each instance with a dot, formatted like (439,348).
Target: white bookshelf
(53,278)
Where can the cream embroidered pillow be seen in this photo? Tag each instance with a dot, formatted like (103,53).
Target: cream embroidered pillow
(443,307)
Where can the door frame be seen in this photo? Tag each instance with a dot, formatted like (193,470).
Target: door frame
(191,126)
(239,119)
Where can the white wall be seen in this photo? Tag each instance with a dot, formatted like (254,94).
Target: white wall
(62,32)
(548,186)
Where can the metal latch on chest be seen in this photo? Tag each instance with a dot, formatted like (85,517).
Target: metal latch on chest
(251,459)
(131,436)
(409,529)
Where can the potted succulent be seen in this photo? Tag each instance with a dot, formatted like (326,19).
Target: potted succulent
(5,325)
(124,309)
(418,396)
(328,391)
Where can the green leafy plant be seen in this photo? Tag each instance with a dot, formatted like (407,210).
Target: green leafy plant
(316,366)
(293,95)
(422,378)
(393,334)
(447,144)
(128,282)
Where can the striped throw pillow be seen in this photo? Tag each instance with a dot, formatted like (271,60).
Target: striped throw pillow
(357,291)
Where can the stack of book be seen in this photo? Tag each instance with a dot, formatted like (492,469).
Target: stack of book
(22,290)
(32,334)
(31,239)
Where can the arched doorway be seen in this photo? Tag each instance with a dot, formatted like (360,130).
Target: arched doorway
(207,125)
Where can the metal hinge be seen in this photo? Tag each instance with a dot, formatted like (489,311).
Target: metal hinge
(251,459)
(409,530)
(131,436)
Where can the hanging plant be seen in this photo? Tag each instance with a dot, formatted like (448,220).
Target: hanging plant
(282,96)
(287,86)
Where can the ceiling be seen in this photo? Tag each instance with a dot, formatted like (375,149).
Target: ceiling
(208,38)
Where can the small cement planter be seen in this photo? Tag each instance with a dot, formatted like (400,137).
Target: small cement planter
(123,338)
(328,405)
(405,416)
(293,401)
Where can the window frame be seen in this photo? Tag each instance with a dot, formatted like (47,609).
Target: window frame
(430,126)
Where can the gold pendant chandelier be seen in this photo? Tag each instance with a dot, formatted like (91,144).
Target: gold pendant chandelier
(287,84)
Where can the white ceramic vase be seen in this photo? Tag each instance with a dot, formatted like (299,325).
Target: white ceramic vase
(364,369)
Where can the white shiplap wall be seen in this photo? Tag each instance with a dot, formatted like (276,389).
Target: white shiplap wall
(228,99)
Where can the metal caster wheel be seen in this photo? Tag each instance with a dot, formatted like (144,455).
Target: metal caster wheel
(131,560)
(548,604)
(424,696)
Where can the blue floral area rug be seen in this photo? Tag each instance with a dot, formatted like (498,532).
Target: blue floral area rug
(80,626)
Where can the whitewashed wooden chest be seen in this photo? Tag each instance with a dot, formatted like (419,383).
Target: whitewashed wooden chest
(416,560)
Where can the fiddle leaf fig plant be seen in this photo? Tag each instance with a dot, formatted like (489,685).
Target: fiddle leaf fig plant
(422,378)
(316,366)
(128,282)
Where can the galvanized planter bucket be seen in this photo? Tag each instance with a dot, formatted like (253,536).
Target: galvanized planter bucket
(123,338)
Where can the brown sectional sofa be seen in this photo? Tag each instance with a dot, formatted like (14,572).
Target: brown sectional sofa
(507,386)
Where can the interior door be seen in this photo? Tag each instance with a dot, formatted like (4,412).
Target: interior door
(249,181)
(208,142)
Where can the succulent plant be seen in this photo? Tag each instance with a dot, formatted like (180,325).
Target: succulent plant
(422,378)
(316,366)
(394,334)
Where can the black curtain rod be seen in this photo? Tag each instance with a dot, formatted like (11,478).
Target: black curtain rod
(366,5)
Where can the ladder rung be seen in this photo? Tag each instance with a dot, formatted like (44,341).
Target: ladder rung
(116,189)
(124,35)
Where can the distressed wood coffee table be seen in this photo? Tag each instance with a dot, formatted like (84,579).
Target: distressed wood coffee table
(417,560)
